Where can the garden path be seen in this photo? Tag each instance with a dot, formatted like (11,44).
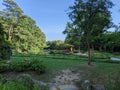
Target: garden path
(66,80)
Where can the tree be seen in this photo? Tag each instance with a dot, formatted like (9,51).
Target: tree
(56,45)
(111,41)
(1,39)
(73,35)
(11,13)
(5,51)
(92,17)
(21,30)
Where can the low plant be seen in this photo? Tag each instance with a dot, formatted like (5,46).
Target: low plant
(22,82)
(113,82)
(4,66)
(23,65)
(20,85)
(19,66)
(37,66)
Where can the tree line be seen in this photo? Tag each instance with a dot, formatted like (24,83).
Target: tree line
(88,29)
(19,31)
(109,41)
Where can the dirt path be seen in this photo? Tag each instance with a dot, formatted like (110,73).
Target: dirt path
(67,77)
(64,80)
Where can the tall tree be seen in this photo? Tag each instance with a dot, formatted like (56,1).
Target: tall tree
(92,17)
(5,51)
(21,30)
(73,35)
(11,13)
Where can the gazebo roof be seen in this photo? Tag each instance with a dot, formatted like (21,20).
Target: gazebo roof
(69,45)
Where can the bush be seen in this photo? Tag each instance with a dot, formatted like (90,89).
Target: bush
(20,66)
(20,85)
(5,52)
(23,65)
(4,66)
(22,82)
(37,66)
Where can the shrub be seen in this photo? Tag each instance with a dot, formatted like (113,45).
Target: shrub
(25,64)
(37,66)
(4,66)
(21,83)
(20,66)
(5,52)
(18,85)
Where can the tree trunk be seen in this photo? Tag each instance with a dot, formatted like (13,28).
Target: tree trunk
(88,46)
(10,32)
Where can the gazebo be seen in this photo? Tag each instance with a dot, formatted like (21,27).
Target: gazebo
(69,47)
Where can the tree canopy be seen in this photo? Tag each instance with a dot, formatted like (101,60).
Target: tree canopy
(91,18)
(20,30)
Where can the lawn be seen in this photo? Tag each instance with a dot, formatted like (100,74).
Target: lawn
(100,72)
(54,63)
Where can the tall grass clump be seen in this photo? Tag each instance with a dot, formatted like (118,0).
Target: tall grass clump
(23,82)
(113,82)
(26,64)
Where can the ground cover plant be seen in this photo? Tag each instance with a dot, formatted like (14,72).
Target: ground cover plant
(22,65)
(19,84)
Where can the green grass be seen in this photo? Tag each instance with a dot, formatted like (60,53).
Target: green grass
(104,55)
(55,63)
(101,71)
(20,85)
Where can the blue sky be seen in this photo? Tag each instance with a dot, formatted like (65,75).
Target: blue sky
(51,17)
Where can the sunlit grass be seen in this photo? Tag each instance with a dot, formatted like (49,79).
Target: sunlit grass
(99,72)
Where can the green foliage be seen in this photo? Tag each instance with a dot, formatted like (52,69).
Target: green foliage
(4,66)
(100,55)
(111,41)
(5,51)
(22,82)
(56,45)
(98,22)
(19,30)
(91,18)
(113,82)
(20,85)
(37,66)
(54,63)
(19,66)
(23,65)
(73,36)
